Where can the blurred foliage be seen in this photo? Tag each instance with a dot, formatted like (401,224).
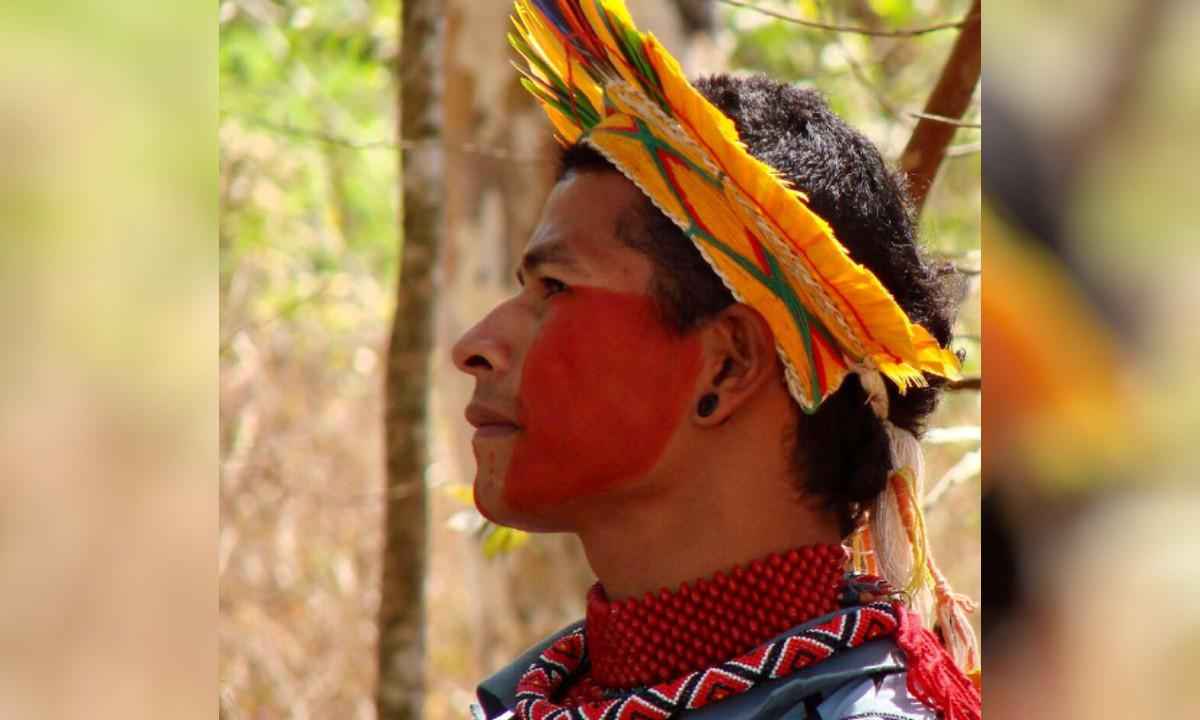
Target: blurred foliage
(107,388)
(308,160)
(1123,194)
(308,248)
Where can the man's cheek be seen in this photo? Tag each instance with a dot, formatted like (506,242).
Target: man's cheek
(602,390)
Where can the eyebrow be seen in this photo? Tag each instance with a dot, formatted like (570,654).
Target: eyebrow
(554,252)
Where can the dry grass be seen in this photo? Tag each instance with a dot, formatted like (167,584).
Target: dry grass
(301,505)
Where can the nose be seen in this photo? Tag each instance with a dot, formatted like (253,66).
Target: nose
(480,352)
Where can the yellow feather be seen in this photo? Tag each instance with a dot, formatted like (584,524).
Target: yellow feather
(541,39)
(884,330)
(752,203)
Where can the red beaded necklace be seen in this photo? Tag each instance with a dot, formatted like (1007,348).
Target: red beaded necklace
(640,642)
(932,676)
(777,659)
(676,651)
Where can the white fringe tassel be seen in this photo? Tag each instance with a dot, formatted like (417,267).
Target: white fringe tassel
(929,594)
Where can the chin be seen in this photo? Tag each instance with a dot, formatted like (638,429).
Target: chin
(490,502)
(488,496)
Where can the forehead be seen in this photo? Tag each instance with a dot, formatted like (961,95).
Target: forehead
(579,227)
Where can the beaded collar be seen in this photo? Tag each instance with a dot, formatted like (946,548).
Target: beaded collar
(639,642)
(931,676)
(771,661)
(664,654)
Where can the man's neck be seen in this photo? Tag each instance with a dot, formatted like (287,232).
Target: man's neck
(718,517)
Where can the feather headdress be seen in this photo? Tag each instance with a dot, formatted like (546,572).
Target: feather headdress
(604,83)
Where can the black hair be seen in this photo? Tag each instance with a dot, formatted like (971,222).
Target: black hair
(841,452)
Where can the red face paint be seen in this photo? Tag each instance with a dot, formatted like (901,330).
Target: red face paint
(602,390)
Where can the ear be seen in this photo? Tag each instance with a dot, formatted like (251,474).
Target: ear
(739,359)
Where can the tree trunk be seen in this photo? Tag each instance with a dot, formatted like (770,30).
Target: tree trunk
(400,691)
(926,148)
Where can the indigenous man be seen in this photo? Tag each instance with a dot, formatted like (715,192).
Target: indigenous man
(712,375)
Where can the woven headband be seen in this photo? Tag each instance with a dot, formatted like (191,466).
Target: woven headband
(604,83)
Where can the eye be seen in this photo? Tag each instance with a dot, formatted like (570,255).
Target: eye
(553,286)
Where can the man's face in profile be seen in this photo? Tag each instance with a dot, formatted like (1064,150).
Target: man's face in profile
(579,383)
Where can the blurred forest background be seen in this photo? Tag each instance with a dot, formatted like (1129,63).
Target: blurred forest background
(310,252)
(1090,158)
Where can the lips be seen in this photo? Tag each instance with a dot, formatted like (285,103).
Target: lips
(489,422)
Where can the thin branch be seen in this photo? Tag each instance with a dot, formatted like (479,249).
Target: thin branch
(889,109)
(950,98)
(965,469)
(963,150)
(303,133)
(933,117)
(860,75)
(313,134)
(903,32)
(953,435)
(967,383)
(955,254)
